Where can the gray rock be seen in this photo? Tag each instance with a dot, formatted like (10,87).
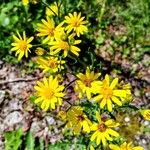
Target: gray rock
(13,118)
(2,96)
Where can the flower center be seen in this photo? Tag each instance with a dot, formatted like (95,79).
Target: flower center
(23,45)
(52,63)
(102,127)
(106,92)
(65,46)
(87,82)
(48,93)
(76,24)
(51,31)
(80,117)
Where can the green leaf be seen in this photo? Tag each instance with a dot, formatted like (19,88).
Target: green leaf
(30,141)
(41,144)
(13,139)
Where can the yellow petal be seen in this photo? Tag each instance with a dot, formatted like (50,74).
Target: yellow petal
(116,100)
(114,83)
(107,78)
(113,133)
(98,117)
(94,135)
(114,147)
(109,105)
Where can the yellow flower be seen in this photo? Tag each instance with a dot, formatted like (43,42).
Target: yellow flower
(39,51)
(76,23)
(103,131)
(47,29)
(25,2)
(77,120)
(108,93)
(53,11)
(66,46)
(21,45)
(62,115)
(146,114)
(84,83)
(49,93)
(50,64)
(125,146)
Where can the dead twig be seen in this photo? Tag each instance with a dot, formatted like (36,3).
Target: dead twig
(19,80)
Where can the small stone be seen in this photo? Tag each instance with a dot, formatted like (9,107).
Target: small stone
(50,120)
(36,126)
(13,118)
(146,123)
(143,141)
(15,105)
(127,119)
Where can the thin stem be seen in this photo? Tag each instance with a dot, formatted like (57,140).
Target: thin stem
(48,7)
(37,45)
(70,83)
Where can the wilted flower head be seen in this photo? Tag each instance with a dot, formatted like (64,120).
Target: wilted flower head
(50,64)
(77,120)
(84,83)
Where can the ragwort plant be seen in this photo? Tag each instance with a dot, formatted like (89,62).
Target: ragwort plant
(60,41)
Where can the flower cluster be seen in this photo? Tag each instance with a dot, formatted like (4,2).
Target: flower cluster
(60,40)
(106,92)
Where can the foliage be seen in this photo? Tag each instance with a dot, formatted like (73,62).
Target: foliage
(68,36)
(13,140)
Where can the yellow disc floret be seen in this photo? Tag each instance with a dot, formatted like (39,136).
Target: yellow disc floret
(49,93)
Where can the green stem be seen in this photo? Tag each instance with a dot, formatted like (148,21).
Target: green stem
(102,11)
(48,7)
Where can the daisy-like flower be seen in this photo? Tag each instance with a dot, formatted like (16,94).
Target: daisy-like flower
(103,130)
(84,83)
(21,45)
(77,120)
(125,146)
(49,93)
(65,45)
(47,29)
(146,114)
(109,92)
(76,23)
(53,11)
(50,64)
